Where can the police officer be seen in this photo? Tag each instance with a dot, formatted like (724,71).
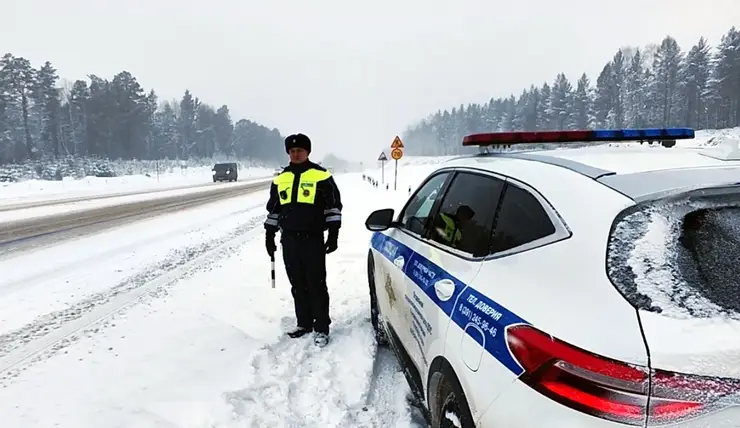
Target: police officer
(453,226)
(304,202)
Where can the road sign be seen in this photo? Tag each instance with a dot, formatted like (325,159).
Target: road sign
(382,157)
(396,154)
(397,143)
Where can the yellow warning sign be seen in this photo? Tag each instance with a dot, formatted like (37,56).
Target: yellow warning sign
(396,154)
(397,143)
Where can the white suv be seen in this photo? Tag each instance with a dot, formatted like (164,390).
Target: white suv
(587,287)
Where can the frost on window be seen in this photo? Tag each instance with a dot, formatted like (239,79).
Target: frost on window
(681,259)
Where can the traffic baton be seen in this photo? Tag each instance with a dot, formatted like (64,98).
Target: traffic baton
(272,268)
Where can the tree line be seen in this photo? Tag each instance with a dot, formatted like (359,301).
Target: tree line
(657,86)
(116,119)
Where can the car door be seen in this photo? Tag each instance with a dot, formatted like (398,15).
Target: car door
(447,258)
(524,221)
(395,252)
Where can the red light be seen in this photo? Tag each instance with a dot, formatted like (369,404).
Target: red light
(607,388)
(626,411)
(506,138)
(675,410)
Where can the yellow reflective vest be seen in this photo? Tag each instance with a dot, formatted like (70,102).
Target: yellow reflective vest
(304,198)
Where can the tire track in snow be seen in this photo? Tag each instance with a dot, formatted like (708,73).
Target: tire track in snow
(384,396)
(84,260)
(55,331)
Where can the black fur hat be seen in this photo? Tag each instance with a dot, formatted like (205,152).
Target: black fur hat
(297,140)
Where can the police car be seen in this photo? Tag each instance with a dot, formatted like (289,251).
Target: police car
(593,286)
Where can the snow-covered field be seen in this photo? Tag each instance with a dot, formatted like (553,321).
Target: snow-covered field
(171,322)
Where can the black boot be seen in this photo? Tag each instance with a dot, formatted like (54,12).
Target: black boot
(299,332)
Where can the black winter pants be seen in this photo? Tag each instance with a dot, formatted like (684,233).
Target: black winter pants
(305,263)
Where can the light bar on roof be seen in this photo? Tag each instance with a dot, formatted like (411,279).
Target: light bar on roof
(597,135)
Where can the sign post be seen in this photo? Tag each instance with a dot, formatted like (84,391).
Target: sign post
(382,158)
(396,154)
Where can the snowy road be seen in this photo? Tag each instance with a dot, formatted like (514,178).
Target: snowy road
(94,197)
(34,231)
(171,322)
(26,194)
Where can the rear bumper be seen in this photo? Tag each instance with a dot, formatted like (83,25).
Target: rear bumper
(521,406)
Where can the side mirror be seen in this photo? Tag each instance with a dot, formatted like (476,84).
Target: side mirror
(379,220)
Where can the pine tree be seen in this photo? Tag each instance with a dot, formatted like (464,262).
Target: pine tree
(560,103)
(654,86)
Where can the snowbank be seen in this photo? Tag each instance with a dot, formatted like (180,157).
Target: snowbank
(716,137)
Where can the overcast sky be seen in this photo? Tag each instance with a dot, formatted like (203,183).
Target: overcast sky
(349,74)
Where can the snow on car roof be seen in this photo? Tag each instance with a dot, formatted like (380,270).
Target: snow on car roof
(639,172)
(634,158)
(617,159)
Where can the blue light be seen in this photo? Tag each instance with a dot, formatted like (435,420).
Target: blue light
(578,136)
(642,134)
(605,134)
(631,133)
(680,132)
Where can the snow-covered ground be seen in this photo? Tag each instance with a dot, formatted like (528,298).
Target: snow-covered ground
(171,322)
(713,137)
(37,190)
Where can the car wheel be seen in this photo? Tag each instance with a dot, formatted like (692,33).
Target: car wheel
(448,406)
(380,336)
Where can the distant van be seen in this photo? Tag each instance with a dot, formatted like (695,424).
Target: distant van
(225,172)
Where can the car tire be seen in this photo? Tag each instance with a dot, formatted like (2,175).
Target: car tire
(448,405)
(380,336)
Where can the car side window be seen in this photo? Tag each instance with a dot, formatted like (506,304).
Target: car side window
(465,216)
(521,220)
(414,217)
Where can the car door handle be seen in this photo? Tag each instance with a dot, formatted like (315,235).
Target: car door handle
(444,288)
(399,262)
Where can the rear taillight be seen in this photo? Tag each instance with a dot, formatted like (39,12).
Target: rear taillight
(611,389)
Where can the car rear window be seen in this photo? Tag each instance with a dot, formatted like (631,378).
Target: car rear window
(680,256)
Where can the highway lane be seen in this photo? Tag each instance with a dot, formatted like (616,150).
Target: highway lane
(93,197)
(24,235)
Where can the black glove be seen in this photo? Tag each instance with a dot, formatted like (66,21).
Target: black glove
(270,244)
(331,241)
